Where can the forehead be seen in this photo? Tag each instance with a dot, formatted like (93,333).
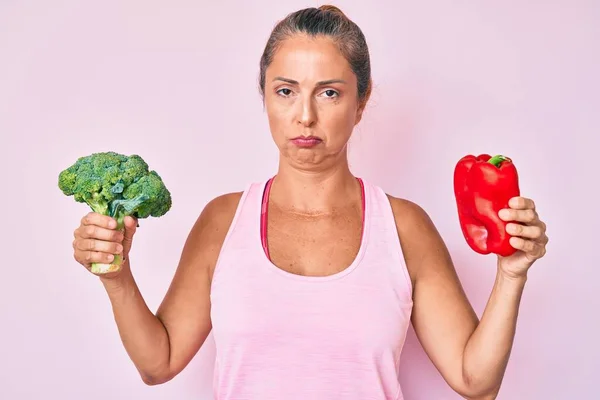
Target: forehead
(305,58)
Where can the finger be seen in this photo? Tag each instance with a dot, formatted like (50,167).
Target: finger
(86,258)
(521,203)
(533,232)
(96,232)
(544,239)
(130,228)
(527,216)
(100,220)
(521,244)
(529,247)
(99,245)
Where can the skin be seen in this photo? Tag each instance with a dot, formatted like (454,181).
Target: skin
(316,197)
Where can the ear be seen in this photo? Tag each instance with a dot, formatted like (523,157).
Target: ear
(359,114)
(362,104)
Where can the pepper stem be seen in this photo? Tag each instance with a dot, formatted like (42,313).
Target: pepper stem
(496,160)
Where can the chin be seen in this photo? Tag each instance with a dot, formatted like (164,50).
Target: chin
(310,159)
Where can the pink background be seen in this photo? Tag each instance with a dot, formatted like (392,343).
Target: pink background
(176,83)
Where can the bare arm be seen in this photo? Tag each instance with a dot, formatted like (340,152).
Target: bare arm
(162,345)
(471,355)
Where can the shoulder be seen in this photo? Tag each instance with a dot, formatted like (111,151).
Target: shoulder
(410,216)
(421,242)
(208,233)
(216,217)
(221,208)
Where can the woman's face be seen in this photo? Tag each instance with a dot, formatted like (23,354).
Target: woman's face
(311,101)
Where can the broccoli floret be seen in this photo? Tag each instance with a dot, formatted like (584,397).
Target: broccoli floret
(116,185)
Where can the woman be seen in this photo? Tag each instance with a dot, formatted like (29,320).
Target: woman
(310,280)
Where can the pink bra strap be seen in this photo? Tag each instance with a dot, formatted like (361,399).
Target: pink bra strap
(263,217)
(265,208)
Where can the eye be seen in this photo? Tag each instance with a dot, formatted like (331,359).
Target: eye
(285,92)
(330,93)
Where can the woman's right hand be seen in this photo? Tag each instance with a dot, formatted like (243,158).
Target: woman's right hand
(96,240)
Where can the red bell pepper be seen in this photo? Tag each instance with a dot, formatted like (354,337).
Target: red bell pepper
(483,185)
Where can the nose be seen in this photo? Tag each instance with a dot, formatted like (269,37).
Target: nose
(306,113)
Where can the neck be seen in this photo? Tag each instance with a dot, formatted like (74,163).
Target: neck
(315,191)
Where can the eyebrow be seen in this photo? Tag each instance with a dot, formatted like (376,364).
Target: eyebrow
(321,83)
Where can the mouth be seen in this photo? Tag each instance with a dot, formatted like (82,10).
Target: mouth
(306,141)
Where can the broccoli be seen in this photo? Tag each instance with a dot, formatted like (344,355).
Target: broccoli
(116,185)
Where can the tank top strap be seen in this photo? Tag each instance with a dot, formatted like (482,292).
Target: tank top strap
(384,240)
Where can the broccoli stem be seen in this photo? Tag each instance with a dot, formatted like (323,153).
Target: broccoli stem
(114,266)
(120,218)
(118,209)
(98,204)
(117,262)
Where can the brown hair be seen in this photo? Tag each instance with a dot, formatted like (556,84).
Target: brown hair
(330,21)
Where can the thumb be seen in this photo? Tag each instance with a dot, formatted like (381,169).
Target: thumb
(130,229)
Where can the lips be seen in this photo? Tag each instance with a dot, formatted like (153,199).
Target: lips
(306,141)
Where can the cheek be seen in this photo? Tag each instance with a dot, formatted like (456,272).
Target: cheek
(278,114)
(339,120)
(278,121)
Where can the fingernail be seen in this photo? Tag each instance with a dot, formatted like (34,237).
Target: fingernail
(119,248)
(110,257)
(112,224)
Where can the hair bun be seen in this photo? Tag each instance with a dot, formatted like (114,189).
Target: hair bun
(332,9)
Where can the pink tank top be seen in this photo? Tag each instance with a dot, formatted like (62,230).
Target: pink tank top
(281,336)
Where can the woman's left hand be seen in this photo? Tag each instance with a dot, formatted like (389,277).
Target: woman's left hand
(528,237)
